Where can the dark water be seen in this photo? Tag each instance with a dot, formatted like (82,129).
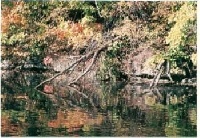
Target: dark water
(96,109)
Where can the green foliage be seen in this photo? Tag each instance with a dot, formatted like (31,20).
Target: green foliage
(15,38)
(111,65)
(109,69)
(174,126)
(176,53)
(183,32)
(182,19)
(174,24)
(14,116)
(37,48)
(37,28)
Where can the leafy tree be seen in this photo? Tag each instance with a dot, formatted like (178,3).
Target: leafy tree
(183,33)
(178,34)
(38,28)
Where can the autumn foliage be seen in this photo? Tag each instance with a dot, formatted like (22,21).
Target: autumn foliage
(38,29)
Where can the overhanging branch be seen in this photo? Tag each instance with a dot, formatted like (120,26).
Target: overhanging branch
(95,53)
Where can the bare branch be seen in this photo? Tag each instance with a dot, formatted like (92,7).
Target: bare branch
(83,94)
(88,68)
(75,63)
(98,10)
(60,73)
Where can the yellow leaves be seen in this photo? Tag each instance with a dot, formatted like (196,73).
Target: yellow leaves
(194,59)
(174,37)
(21,54)
(182,17)
(13,51)
(87,20)
(123,3)
(150,100)
(76,34)
(16,37)
(187,11)
(74,3)
(154,60)
(192,114)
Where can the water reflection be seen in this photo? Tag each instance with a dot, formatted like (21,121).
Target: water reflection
(93,109)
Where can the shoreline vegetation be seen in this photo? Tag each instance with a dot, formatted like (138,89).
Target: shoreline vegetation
(99,68)
(110,39)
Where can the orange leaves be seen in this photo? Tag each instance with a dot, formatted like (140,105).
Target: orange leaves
(66,30)
(81,33)
(76,34)
(77,28)
(16,18)
(5,20)
(57,32)
(11,19)
(12,16)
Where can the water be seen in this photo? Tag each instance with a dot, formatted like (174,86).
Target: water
(105,109)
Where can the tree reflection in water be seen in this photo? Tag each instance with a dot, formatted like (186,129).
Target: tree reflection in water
(93,109)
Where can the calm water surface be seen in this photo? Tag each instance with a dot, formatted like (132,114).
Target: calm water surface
(96,109)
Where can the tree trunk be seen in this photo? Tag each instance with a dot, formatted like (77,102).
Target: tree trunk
(163,67)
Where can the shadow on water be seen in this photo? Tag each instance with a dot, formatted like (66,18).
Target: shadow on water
(95,109)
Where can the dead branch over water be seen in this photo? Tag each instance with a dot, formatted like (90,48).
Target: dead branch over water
(92,54)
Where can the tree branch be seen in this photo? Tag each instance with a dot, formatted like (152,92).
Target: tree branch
(156,77)
(60,73)
(98,8)
(101,48)
(83,94)
(88,68)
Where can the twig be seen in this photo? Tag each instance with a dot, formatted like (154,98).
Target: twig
(87,70)
(98,8)
(83,94)
(60,73)
(42,92)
